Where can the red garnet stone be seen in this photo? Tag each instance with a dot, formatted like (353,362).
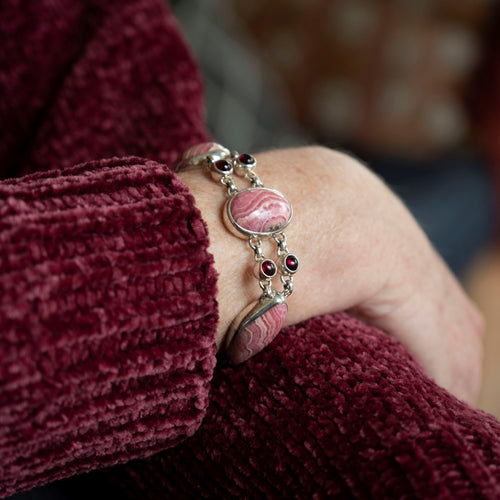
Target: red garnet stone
(223,166)
(268,268)
(246,159)
(291,263)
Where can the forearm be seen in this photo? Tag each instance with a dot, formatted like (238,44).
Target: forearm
(107,319)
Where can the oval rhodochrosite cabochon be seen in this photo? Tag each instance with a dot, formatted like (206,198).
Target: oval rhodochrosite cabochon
(259,211)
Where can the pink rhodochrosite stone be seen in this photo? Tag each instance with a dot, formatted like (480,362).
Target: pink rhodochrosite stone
(257,335)
(260,211)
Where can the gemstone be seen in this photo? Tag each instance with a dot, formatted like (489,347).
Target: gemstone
(268,268)
(223,167)
(259,211)
(257,334)
(246,159)
(291,263)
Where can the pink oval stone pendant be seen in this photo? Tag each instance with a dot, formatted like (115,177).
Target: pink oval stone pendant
(259,211)
(258,328)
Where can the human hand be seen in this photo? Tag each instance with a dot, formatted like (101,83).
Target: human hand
(360,250)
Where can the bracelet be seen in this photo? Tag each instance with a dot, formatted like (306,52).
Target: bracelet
(256,213)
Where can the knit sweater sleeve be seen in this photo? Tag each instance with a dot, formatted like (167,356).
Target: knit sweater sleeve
(332,408)
(107,291)
(107,318)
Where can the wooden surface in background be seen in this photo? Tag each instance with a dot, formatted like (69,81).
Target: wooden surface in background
(483,285)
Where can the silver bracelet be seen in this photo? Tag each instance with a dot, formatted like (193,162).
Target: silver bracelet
(256,213)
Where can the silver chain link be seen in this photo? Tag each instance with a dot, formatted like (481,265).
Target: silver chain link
(254,179)
(266,288)
(232,188)
(256,245)
(287,285)
(280,239)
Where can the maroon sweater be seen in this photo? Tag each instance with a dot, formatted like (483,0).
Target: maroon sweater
(108,312)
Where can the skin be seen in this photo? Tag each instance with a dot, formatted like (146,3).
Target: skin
(360,250)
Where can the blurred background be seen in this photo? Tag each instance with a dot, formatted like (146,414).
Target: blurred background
(408,86)
(411,87)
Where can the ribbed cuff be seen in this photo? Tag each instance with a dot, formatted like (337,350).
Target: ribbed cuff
(108,319)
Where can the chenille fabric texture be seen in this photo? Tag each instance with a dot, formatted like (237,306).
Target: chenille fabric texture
(107,312)
(108,308)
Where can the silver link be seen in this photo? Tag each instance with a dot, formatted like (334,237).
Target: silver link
(256,245)
(280,239)
(254,179)
(254,242)
(232,188)
(266,287)
(287,285)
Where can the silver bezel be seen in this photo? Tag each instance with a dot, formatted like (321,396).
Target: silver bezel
(240,230)
(201,159)
(216,170)
(253,312)
(284,267)
(242,168)
(265,276)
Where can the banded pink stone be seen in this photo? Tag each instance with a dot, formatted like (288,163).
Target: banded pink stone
(259,210)
(257,334)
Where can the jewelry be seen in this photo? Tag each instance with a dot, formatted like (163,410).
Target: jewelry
(256,213)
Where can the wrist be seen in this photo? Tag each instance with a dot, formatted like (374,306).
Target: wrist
(259,216)
(235,290)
